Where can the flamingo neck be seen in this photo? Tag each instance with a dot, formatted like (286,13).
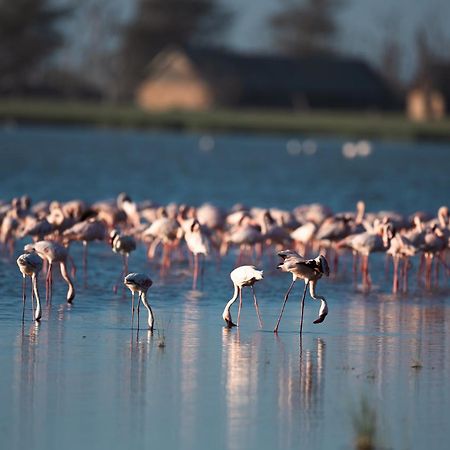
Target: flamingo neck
(323,303)
(65,275)
(149,309)
(226,312)
(38,312)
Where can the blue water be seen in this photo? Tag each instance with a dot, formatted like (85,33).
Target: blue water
(82,379)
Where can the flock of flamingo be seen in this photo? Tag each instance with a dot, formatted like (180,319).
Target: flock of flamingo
(209,231)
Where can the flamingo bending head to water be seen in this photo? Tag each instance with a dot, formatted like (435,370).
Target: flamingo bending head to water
(30,264)
(309,270)
(139,282)
(242,276)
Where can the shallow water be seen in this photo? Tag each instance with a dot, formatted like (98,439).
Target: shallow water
(82,378)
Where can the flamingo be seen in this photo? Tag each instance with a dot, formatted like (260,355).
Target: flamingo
(53,252)
(399,247)
(163,230)
(245,235)
(196,241)
(242,276)
(309,270)
(364,244)
(30,264)
(130,208)
(434,242)
(139,282)
(123,244)
(86,231)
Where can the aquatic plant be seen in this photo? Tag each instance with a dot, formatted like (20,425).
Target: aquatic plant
(365,426)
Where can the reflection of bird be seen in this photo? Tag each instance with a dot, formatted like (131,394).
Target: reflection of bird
(53,252)
(139,282)
(30,264)
(309,270)
(242,276)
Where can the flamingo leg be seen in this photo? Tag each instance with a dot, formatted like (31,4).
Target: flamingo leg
(436,272)
(427,271)
(395,279)
(51,282)
(194,281)
(355,267)
(421,268)
(24,297)
(303,307)
(202,270)
(85,263)
(32,299)
(132,309)
(284,304)
(139,304)
(47,285)
(405,274)
(363,271)
(125,264)
(240,305)
(255,301)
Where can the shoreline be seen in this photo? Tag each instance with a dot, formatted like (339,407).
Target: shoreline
(371,125)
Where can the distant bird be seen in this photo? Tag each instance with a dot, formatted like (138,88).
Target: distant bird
(124,245)
(242,276)
(245,235)
(130,208)
(434,242)
(86,231)
(364,244)
(400,248)
(30,264)
(197,243)
(309,270)
(163,230)
(303,236)
(53,252)
(139,282)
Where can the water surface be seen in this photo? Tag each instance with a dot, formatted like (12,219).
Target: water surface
(82,379)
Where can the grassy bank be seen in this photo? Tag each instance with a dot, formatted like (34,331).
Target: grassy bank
(368,125)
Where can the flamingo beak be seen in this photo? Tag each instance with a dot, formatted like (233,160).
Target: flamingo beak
(321,318)
(230,324)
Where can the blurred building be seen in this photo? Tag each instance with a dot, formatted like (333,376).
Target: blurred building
(202,79)
(429,95)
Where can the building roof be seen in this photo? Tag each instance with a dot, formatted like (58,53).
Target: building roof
(318,81)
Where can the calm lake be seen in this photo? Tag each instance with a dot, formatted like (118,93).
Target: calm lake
(81,379)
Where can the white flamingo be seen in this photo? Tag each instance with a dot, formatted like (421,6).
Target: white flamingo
(53,252)
(139,282)
(197,243)
(242,276)
(30,264)
(124,245)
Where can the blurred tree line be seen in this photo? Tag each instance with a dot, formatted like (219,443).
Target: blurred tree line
(113,52)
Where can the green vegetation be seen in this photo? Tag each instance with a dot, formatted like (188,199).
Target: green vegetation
(365,426)
(355,125)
